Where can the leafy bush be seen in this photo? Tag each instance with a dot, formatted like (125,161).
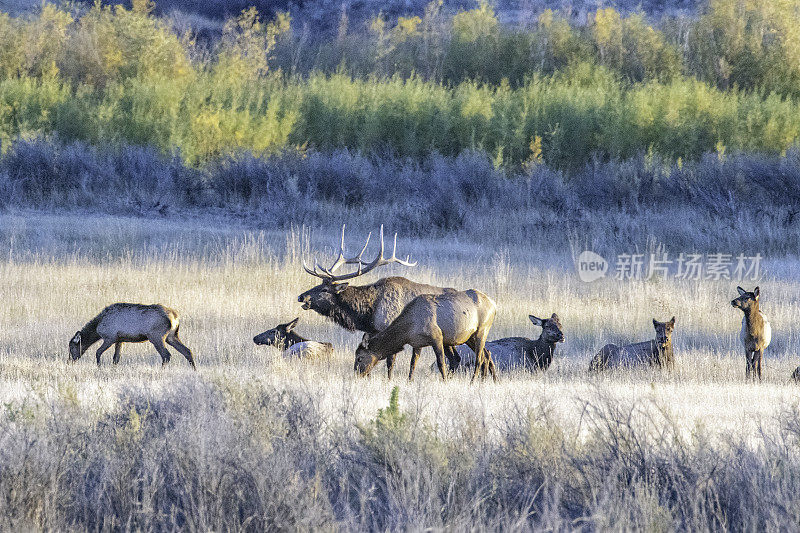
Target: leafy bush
(117,76)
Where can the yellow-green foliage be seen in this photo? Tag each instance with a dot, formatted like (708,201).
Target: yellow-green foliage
(33,47)
(632,47)
(113,44)
(475,24)
(246,44)
(117,75)
(749,44)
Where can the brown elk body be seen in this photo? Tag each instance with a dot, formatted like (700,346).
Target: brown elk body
(510,353)
(291,344)
(126,322)
(756,332)
(450,319)
(657,352)
(368,308)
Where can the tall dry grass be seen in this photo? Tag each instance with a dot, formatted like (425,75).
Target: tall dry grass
(254,441)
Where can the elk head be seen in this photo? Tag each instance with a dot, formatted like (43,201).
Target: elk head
(277,335)
(75,350)
(324,298)
(664,331)
(746,299)
(551,328)
(366,359)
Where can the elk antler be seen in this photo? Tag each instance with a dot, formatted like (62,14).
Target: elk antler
(329,273)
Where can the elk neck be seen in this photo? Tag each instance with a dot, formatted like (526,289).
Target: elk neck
(660,354)
(89,333)
(292,338)
(356,308)
(543,350)
(391,340)
(753,319)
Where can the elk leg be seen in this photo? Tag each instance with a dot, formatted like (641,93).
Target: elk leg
(453,359)
(473,344)
(390,366)
(414,356)
(438,349)
(117,352)
(103,347)
(749,363)
(486,361)
(158,342)
(488,357)
(176,343)
(759,357)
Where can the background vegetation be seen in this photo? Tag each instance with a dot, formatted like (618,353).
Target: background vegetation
(732,203)
(549,91)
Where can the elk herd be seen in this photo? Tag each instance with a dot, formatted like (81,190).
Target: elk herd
(394,312)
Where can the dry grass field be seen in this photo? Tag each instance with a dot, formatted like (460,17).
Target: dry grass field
(231,282)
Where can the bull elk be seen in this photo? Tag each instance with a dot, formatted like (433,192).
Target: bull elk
(449,319)
(656,352)
(291,344)
(755,333)
(126,322)
(368,308)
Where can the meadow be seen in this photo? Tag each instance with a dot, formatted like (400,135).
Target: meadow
(253,441)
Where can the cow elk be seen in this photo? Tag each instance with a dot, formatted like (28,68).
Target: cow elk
(519,352)
(448,319)
(368,308)
(755,333)
(291,344)
(126,322)
(656,352)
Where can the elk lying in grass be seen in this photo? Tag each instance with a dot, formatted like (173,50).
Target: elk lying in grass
(756,331)
(519,352)
(657,352)
(368,308)
(438,321)
(291,344)
(125,322)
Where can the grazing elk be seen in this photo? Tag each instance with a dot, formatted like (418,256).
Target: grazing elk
(756,331)
(291,344)
(657,352)
(125,322)
(448,319)
(368,308)
(519,352)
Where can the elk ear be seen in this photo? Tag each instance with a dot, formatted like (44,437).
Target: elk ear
(536,321)
(757,292)
(742,292)
(339,287)
(672,322)
(655,323)
(365,341)
(77,337)
(291,325)
(554,317)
